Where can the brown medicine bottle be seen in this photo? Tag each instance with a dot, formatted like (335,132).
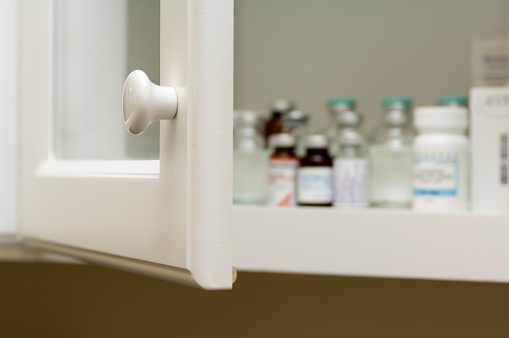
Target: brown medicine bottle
(275,124)
(283,166)
(314,183)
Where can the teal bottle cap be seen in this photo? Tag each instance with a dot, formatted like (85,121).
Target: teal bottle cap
(397,99)
(458,99)
(341,100)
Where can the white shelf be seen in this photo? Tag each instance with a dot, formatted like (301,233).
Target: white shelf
(377,243)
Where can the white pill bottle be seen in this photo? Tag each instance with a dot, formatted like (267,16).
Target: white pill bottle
(441,159)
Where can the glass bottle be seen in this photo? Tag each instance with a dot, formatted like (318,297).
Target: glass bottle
(249,161)
(351,171)
(391,156)
(260,122)
(335,106)
(455,101)
(295,122)
(283,165)
(347,120)
(275,123)
(315,174)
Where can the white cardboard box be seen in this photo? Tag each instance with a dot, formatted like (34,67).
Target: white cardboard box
(489,111)
(489,63)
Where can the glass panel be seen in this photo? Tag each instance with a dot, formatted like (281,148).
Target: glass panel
(97,44)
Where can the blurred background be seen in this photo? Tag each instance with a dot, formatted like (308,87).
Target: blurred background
(363,49)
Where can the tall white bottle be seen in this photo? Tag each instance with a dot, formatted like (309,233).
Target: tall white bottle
(441,159)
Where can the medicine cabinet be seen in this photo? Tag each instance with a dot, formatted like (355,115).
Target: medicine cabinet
(161,204)
(365,50)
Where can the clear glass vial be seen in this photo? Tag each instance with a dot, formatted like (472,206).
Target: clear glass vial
(346,121)
(441,159)
(295,123)
(391,157)
(335,106)
(249,161)
(455,101)
(351,171)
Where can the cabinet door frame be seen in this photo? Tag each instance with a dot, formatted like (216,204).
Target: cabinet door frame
(169,218)
(8,137)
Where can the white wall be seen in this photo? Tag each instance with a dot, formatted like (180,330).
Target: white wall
(310,50)
(8,113)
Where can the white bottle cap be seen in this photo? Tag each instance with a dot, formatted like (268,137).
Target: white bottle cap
(441,117)
(247,117)
(316,141)
(282,141)
(282,105)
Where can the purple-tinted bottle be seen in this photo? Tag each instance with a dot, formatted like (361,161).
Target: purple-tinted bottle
(351,171)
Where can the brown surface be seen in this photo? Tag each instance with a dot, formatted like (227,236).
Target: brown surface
(42,300)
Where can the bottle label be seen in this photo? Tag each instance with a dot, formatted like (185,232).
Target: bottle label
(436,177)
(351,182)
(315,185)
(282,181)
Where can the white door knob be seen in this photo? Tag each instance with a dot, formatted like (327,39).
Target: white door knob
(144,102)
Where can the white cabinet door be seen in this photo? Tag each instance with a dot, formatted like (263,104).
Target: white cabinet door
(168,218)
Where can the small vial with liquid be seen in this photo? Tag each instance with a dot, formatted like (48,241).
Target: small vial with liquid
(249,160)
(391,156)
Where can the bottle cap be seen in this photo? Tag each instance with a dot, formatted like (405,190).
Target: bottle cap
(282,141)
(442,117)
(339,104)
(348,119)
(401,100)
(296,116)
(453,100)
(348,101)
(316,141)
(282,106)
(396,110)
